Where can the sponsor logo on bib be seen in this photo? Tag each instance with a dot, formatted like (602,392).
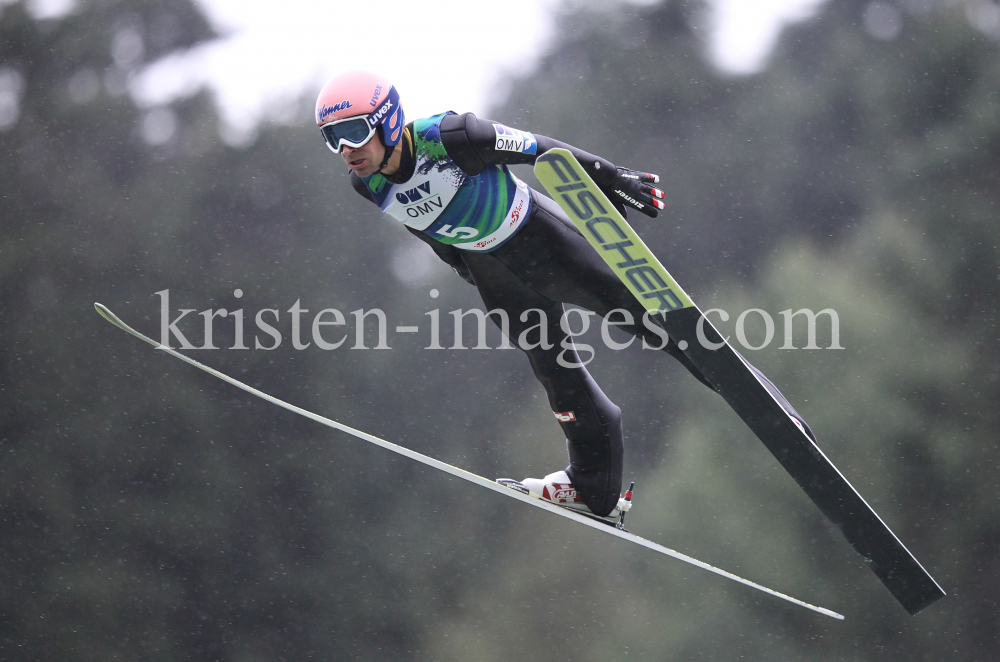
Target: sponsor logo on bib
(515,214)
(419,200)
(512,140)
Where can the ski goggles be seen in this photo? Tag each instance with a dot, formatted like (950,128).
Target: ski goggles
(351,131)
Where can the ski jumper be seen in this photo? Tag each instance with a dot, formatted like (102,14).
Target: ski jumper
(453,190)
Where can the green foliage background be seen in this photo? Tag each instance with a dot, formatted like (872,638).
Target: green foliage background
(149,512)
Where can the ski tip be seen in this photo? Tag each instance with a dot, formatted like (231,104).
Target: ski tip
(106,313)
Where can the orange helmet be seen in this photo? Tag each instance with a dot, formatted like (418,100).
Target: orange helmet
(353,106)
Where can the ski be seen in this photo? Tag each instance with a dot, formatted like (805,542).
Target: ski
(601,525)
(612,237)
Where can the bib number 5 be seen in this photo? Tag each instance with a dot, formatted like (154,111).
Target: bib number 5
(458,233)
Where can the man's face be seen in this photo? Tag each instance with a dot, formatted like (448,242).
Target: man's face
(366,159)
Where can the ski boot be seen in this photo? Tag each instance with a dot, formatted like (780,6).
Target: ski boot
(556,488)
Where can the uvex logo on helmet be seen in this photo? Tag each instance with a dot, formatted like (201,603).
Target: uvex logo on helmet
(326,111)
(376,116)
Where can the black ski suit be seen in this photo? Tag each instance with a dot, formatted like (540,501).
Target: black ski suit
(545,264)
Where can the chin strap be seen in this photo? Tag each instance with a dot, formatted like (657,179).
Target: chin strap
(391,148)
(388,155)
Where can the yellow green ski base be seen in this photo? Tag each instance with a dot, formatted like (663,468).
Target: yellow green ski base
(615,241)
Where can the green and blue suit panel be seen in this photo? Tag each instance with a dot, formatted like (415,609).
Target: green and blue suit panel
(472,212)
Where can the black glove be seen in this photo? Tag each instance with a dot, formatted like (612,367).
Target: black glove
(633,190)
